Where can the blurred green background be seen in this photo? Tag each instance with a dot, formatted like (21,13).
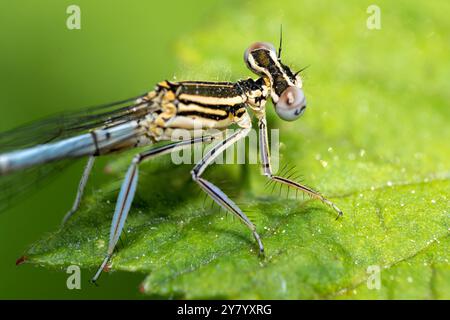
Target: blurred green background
(124,48)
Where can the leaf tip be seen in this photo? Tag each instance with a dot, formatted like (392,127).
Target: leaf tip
(142,288)
(21,260)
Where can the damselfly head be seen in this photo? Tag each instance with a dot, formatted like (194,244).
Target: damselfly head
(286,87)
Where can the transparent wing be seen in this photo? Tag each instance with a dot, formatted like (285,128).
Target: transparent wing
(20,183)
(68,124)
(60,126)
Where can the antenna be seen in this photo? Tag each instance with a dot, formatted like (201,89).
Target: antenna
(281,42)
(301,70)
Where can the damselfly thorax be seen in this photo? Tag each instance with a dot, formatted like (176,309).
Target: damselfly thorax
(191,105)
(156,116)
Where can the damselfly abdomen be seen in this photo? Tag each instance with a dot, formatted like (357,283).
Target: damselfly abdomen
(156,116)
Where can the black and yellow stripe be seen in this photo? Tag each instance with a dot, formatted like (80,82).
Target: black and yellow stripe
(222,102)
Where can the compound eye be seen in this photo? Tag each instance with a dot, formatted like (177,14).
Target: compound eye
(291,104)
(257,46)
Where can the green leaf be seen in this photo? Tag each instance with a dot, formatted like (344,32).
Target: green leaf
(374,140)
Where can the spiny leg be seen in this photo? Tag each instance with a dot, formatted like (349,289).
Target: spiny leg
(81,186)
(214,192)
(128,190)
(314,194)
(265,160)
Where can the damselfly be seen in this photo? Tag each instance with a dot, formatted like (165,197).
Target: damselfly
(152,117)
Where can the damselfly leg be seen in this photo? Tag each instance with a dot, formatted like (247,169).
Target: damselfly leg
(81,186)
(214,192)
(128,190)
(267,169)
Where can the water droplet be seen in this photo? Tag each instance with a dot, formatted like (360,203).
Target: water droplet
(362,153)
(323,163)
(389,183)
(330,149)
